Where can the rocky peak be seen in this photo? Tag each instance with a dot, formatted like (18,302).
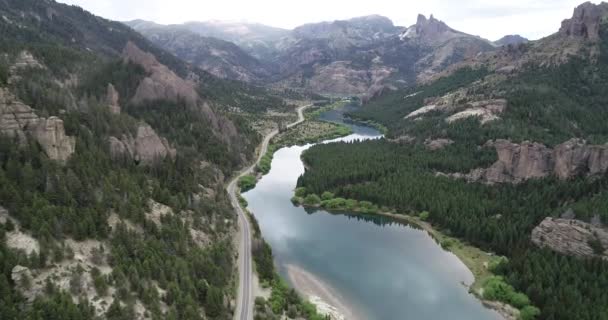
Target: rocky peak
(430,27)
(585,22)
(512,39)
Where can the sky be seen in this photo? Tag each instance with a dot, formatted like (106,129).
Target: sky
(490,19)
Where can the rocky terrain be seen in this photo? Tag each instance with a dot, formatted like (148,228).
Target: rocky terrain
(20,120)
(572,237)
(512,39)
(359,56)
(218,57)
(146,146)
(529,160)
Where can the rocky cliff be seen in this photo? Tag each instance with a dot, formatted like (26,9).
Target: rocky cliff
(18,119)
(529,160)
(571,237)
(585,21)
(161,83)
(145,147)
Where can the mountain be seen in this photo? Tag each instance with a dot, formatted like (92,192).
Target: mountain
(359,56)
(114,154)
(257,39)
(513,39)
(221,58)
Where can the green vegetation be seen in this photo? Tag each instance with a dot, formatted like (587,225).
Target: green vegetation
(495,288)
(312,200)
(247,182)
(311,131)
(545,105)
(315,112)
(493,218)
(283,300)
(266,161)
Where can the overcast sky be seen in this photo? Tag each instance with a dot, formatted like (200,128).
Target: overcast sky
(488,18)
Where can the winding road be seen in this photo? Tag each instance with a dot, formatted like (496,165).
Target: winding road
(244,306)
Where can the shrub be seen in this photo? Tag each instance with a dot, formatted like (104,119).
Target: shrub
(297,200)
(327,195)
(247,182)
(301,192)
(312,199)
(424,215)
(529,313)
(351,204)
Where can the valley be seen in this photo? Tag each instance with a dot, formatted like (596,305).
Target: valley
(346,169)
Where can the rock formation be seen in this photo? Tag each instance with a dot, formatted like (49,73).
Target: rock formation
(146,147)
(112,99)
(528,160)
(570,236)
(437,143)
(161,83)
(18,119)
(585,22)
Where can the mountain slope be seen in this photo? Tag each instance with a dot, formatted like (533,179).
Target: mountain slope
(359,56)
(113,156)
(218,57)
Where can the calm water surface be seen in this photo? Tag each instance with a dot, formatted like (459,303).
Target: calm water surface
(388,270)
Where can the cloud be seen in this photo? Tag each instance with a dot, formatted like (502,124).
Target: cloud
(488,18)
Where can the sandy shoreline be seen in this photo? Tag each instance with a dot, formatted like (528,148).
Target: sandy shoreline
(322,295)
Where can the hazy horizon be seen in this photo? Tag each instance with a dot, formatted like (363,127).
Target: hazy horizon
(488,19)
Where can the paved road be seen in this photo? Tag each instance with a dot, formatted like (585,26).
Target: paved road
(244,306)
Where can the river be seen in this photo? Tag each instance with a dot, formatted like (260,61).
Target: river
(369,267)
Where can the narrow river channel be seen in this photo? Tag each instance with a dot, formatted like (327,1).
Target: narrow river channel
(370,268)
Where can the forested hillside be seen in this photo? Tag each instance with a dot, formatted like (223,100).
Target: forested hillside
(486,155)
(113,156)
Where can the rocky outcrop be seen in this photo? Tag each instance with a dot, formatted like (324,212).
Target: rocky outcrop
(575,157)
(437,144)
(161,83)
(511,40)
(25,60)
(112,99)
(485,110)
(571,237)
(18,119)
(146,147)
(51,136)
(585,22)
(529,160)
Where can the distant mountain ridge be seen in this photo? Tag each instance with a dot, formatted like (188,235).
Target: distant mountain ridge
(359,56)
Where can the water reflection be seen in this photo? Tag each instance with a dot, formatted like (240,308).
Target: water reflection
(385,269)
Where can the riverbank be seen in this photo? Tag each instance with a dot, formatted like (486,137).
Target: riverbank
(319,293)
(475,259)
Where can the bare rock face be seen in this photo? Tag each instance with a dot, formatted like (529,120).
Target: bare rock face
(528,160)
(112,99)
(585,22)
(520,162)
(161,83)
(145,147)
(50,134)
(437,143)
(17,119)
(575,157)
(570,236)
